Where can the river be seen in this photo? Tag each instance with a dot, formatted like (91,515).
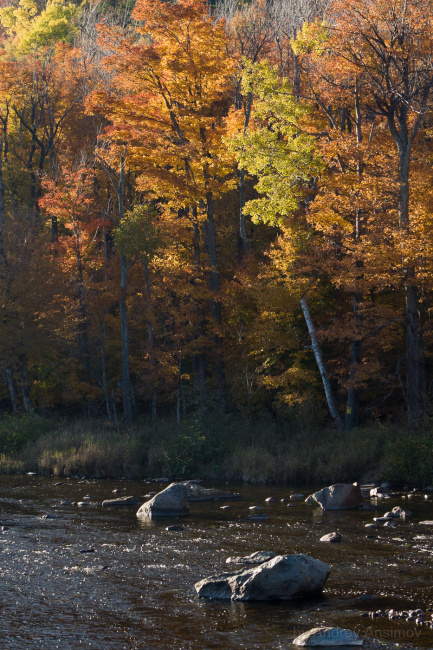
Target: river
(94,577)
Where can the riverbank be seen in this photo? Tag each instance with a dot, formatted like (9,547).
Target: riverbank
(218,448)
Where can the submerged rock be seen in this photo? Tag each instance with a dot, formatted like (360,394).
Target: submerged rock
(257,517)
(331,537)
(199,493)
(341,496)
(255,558)
(284,577)
(122,501)
(171,502)
(328,637)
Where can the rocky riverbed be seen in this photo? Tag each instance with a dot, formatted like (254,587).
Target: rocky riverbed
(98,577)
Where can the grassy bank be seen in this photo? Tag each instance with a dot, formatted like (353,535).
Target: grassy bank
(210,447)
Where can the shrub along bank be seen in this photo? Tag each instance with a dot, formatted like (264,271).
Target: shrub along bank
(223,447)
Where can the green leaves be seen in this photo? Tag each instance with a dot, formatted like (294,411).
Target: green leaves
(274,149)
(137,234)
(32,30)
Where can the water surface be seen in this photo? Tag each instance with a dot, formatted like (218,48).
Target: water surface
(135,588)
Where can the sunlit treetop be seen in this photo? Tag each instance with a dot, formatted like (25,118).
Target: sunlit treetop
(28,28)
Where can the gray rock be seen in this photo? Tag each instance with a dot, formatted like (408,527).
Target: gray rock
(254,508)
(199,493)
(391,515)
(389,524)
(255,558)
(371,526)
(382,520)
(342,496)
(50,515)
(401,512)
(328,637)
(428,522)
(331,537)
(297,496)
(257,517)
(379,492)
(310,499)
(171,502)
(174,528)
(121,501)
(285,577)
(270,500)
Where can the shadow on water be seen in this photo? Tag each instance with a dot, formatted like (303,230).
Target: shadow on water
(87,576)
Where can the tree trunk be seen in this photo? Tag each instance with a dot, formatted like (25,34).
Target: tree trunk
(126,385)
(201,356)
(104,374)
(179,389)
(352,409)
(321,364)
(12,391)
(25,388)
(151,339)
(2,207)
(124,336)
(215,304)
(242,224)
(413,361)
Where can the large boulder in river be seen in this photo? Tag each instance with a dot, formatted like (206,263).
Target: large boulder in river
(341,496)
(171,502)
(284,577)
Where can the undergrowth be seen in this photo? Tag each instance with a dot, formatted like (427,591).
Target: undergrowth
(215,446)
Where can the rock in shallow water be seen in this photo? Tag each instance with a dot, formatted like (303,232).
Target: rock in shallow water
(255,558)
(171,502)
(398,511)
(328,637)
(122,501)
(331,537)
(341,496)
(199,493)
(284,577)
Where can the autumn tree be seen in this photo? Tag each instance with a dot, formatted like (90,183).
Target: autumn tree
(173,76)
(385,49)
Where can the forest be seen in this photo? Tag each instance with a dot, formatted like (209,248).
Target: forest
(212,211)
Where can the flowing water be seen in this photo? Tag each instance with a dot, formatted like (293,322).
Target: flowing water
(134,587)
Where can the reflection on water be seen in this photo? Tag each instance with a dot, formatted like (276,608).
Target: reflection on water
(99,578)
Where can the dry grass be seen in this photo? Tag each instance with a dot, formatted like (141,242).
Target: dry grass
(208,447)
